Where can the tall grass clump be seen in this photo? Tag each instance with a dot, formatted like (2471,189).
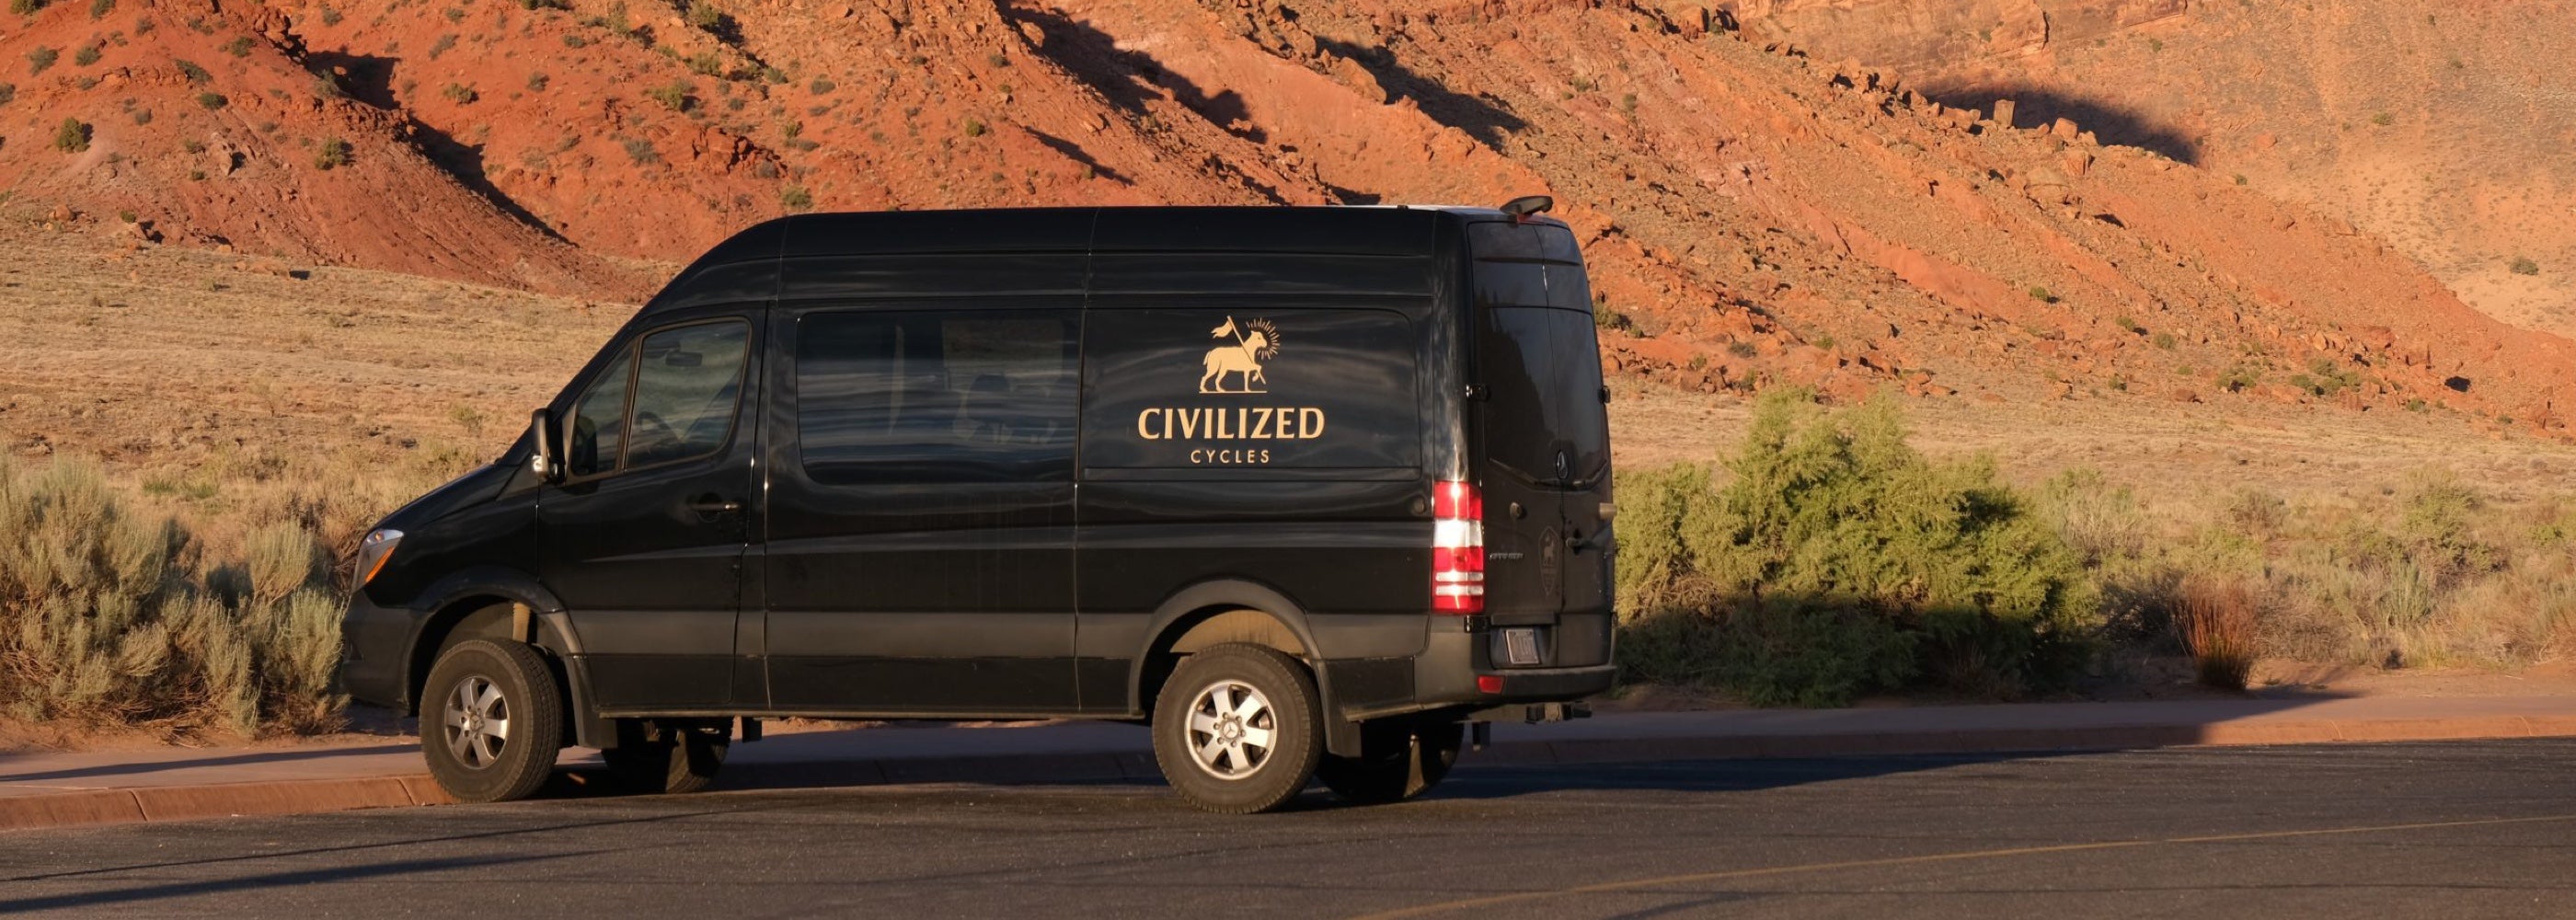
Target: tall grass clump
(1827,558)
(2216,622)
(112,617)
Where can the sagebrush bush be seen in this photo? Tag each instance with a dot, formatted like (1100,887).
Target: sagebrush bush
(1834,559)
(105,621)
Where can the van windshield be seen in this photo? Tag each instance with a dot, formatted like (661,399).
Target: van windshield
(1538,356)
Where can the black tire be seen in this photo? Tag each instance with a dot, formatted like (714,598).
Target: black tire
(1399,762)
(1287,715)
(475,684)
(656,757)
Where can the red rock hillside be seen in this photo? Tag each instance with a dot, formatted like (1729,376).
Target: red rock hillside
(1753,215)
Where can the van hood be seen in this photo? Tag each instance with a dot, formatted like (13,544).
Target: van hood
(480,485)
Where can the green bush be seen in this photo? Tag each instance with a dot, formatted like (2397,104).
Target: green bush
(795,198)
(674,96)
(26,7)
(72,136)
(1834,559)
(102,622)
(40,59)
(334,153)
(2523,265)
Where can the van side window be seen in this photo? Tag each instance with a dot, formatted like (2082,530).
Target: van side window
(913,397)
(685,392)
(599,421)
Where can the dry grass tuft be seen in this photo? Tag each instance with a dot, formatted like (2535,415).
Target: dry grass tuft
(2217,622)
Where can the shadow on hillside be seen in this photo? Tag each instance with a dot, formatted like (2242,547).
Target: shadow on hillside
(1482,118)
(371,80)
(1073,151)
(2036,108)
(1130,79)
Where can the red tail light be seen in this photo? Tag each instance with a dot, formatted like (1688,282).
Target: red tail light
(1457,549)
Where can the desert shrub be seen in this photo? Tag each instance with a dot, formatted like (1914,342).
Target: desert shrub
(40,59)
(104,619)
(333,153)
(795,198)
(674,96)
(975,127)
(537,82)
(2041,294)
(2216,622)
(98,9)
(2523,265)
(72,136)
(26,7)
(239,46)
(85,56)
(212,100)
(704,16)
(459,93)
(194,73)
(1841,560)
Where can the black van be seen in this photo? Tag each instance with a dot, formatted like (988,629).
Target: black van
(1308,489)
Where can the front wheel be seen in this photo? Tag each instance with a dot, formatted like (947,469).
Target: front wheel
(1235,729)
(1397,762)
(498,721)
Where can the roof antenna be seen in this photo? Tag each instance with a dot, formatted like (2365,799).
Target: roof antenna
(1521,208)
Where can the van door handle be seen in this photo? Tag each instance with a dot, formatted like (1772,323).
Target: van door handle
(714,504)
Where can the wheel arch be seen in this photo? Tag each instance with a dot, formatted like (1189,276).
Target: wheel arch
(1233,611)
(482,601)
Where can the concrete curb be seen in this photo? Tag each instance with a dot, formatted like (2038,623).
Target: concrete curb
(172,803)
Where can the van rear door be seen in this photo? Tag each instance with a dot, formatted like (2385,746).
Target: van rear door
(1543,456)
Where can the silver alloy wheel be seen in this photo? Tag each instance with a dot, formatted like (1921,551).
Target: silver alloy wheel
(1232,730)
(477,721)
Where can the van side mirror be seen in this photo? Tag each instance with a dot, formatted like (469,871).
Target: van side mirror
(546,460)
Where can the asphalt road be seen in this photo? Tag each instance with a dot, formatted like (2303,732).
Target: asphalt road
(2458,829)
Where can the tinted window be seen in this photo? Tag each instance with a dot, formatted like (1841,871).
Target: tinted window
(1544,375)
(982,396)
(685,392)
(1218,387)
(599,420)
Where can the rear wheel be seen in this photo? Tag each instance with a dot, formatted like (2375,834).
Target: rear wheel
(656,756)
(492,721)
(1398,761)
(1235,729)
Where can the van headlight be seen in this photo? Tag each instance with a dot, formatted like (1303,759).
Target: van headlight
(373,552)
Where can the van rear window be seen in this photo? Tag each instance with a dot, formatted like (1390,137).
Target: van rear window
(965,396)
(1248,387)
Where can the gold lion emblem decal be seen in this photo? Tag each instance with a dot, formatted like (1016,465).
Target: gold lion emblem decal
(1254,342)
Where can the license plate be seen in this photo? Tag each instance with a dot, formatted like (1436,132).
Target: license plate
(1521,646)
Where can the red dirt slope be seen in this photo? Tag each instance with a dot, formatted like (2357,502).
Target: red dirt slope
(203,124)
(1753,217)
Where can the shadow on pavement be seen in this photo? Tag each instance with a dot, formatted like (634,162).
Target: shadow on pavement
(259,757)
(101,898)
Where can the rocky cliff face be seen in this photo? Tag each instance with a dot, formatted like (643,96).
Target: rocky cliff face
(2441,129)
(1754,215)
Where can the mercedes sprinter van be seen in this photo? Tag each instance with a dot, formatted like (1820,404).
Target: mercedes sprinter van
(1305,490)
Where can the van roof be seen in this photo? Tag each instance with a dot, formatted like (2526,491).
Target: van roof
(1375,230)
(1371,229)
